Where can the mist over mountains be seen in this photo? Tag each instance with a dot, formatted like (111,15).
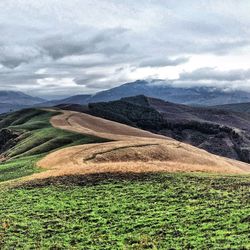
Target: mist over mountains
(196,96)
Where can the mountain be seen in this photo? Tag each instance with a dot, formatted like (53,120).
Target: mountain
(203,96)
(236,107)
(224,133)
(16,100)
(197,96)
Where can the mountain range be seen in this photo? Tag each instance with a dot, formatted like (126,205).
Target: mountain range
(195,96)
(198,96)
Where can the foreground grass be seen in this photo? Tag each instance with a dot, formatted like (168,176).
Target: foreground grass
(37,138)
(158,211)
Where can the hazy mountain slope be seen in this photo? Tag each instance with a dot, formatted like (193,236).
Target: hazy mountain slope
(7,107)
(15,100)
(77,99)
(236,107)
(217,131)
(201,96)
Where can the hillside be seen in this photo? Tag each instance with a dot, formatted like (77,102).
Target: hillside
(235,107)
(220,132)
(8,107)
(131,150)
(26,136)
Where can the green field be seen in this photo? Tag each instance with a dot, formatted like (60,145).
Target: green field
(158,211)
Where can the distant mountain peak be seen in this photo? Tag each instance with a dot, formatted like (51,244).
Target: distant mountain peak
(18,98)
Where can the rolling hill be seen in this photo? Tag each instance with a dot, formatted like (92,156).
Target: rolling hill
(224,133)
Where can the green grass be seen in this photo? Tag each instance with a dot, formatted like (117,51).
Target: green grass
(37,138)
(18,168)
(158,211)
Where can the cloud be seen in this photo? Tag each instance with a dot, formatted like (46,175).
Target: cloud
(11,56)
(80,43)
(54,49)
(216,75)
(163,62)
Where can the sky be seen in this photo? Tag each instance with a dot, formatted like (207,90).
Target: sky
(57,48)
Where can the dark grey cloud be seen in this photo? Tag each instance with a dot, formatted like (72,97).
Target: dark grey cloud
(76,43)
(90,79)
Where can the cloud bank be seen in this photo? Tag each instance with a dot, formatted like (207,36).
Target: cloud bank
(58,48)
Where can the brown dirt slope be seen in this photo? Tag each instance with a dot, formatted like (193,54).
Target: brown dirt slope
(131,150)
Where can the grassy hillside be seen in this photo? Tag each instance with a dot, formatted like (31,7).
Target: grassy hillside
(33,137)
(157,211)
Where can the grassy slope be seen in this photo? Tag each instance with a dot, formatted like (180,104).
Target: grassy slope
(38,139)
(167,211)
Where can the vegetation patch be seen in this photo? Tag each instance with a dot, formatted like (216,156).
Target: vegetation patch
(112,211)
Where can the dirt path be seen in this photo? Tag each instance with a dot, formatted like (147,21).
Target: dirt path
(131,150)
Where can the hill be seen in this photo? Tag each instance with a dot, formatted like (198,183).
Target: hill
(77,99)
(220,132)
(26,136)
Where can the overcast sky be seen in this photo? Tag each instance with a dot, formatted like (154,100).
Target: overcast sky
(56,48)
